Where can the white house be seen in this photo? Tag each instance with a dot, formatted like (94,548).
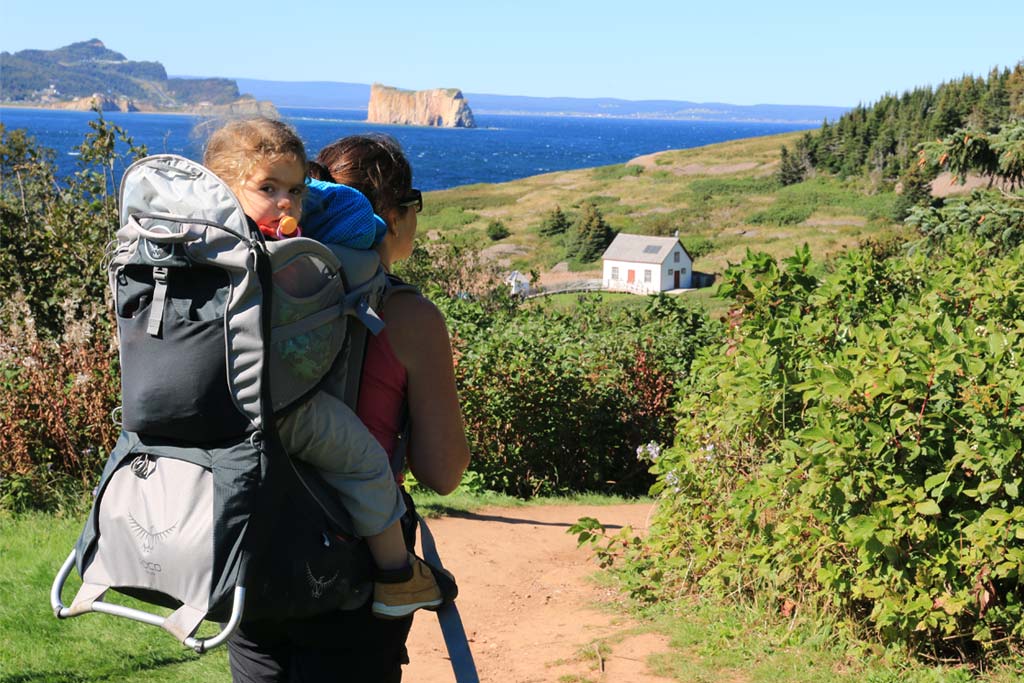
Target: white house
(640,263)
(518,283)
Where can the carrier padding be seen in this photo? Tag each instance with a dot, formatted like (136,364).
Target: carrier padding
(169,521)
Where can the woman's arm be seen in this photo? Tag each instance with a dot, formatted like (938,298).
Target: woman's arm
(438,453)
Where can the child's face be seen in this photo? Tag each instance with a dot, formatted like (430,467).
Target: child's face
(273,190)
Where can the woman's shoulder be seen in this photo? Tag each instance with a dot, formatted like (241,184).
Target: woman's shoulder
(416,328)
(408,307)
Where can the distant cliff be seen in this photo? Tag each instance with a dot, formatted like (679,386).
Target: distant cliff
(80,75)
(444,107)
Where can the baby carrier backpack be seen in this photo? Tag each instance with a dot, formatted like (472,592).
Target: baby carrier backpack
(198,511)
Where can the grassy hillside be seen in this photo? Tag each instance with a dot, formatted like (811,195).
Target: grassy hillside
(722,198)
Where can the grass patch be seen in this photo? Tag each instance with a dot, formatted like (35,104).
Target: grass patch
(710,187)
(38,647)
(781,214)
(448,219)
(616,171)
(754,644)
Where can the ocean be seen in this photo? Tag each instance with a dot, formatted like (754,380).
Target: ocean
(501,148)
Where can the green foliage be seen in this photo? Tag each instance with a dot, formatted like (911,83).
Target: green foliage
(58,374)
(558,401)
(987,215)
(855,445)
(591,234)
(781,214)
(496,230)
(791,168)
(67,228)
(616,171)
(555,223)
(998,155)
(697,246)
(884,137)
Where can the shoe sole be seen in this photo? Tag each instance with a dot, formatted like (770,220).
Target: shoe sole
(399,611)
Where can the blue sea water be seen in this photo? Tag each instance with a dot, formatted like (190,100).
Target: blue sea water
(501,148)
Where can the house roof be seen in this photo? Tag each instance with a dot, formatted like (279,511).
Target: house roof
(640,248)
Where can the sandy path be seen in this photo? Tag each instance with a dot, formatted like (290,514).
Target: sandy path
(526,601)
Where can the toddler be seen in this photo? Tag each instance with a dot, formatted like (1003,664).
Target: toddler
(264,163)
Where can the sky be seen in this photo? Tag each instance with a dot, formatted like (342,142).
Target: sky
(732,51)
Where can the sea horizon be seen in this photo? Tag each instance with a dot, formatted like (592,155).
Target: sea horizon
(501,148)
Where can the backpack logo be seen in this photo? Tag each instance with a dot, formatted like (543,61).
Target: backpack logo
(149,537)
(319,586)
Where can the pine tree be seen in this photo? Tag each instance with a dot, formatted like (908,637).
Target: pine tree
(593,234)
(555,223)
(790,170)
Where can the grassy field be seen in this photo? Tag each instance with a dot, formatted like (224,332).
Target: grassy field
(721,197)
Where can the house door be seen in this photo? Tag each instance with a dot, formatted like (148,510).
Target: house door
(675,278)
(630,276)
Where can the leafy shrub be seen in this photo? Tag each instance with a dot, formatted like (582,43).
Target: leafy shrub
(781,214)
(58,362)
(496,230)
(698,246)
(558,401)
(854,445)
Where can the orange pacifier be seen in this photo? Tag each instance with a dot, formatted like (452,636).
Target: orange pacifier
(286,227)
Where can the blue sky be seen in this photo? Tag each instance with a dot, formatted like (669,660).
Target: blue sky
(739,51)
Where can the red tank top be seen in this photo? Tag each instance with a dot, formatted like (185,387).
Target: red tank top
(382,391)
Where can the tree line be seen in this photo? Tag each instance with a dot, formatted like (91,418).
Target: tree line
(884,138)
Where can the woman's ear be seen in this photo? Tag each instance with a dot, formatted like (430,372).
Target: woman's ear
(391,217)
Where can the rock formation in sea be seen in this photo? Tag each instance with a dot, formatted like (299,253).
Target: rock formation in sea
(444,107)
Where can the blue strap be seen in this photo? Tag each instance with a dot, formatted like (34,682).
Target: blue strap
(451,623)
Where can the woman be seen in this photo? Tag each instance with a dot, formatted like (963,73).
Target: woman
(408,372)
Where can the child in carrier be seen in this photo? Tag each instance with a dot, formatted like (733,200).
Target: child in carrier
(264,163)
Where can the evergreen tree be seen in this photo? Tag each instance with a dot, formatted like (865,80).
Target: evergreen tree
(593,234)
(554,223)
(791,171)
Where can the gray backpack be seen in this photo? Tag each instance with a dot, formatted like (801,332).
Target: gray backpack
(198,508)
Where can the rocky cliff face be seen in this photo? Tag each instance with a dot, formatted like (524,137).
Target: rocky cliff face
(439,107)
(97,101)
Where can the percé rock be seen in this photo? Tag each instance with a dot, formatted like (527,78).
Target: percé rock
(444,107)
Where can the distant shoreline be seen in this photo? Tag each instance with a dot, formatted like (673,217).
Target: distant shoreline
(485,112)
(43,107)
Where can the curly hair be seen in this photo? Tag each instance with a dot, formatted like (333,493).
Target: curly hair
(237,147)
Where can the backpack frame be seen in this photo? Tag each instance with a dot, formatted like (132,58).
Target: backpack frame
(198,508)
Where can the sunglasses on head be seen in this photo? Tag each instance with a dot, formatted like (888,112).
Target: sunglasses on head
(413,198)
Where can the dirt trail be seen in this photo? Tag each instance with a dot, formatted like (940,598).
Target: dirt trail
(526,601)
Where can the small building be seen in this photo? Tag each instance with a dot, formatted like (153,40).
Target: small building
(645,264)
(519,284)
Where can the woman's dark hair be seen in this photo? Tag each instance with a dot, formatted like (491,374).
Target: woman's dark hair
(374,164)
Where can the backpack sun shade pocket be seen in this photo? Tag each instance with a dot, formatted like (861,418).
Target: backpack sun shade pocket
(173,383)
(309,329)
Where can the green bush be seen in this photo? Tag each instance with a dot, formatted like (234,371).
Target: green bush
(496,230)
(558,401)
(854,445)
(781,214)
(58,362)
